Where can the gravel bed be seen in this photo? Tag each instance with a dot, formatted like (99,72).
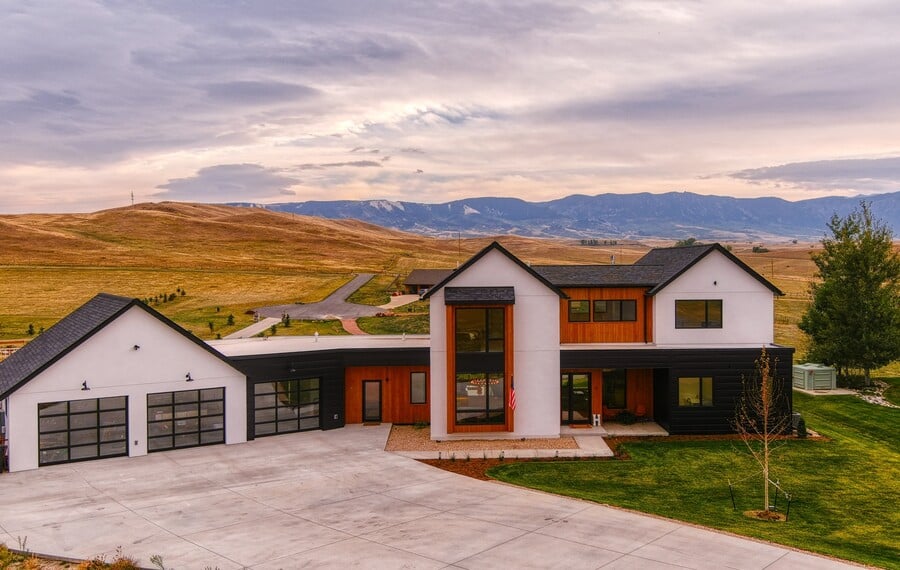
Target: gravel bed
(412,438)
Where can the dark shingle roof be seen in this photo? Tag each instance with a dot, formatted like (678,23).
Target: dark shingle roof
(601,275)
(677,260)
(75,328)
(482,295)
(426,277)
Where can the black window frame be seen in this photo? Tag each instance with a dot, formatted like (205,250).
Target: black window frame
(620,313)
(706,323)
(282,393)
(494,341)
(413,377)
(704,402)
(491,415)
(98,427)
(179,418)
(586,314)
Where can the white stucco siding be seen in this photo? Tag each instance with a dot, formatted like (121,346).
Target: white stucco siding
(535,339)
(111,366)
(748,306)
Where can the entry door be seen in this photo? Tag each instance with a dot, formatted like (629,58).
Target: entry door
(575,396)
(371,400)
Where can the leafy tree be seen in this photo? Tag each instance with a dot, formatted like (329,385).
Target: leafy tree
(687,242)
(853,321)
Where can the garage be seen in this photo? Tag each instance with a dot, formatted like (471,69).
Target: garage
(78,430)
(187,418)
(286,406)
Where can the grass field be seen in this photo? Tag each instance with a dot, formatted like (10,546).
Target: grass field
(845,488)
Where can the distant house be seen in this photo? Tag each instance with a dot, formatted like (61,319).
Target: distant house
(514,351)
(420,280)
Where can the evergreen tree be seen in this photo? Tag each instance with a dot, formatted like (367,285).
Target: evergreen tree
(853,321)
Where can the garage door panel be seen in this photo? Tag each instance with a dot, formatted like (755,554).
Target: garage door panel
(77,430)
(174,418)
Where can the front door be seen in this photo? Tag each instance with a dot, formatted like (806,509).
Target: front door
(371,401)
(575,394)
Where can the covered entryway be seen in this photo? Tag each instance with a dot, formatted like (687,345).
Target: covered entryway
(575,398)
(79,430)
(187,418)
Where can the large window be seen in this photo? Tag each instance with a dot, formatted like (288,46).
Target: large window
(579,311)
(698,314)
(418,388)
(614,383)
(479,330)
(186,418)
(615,310)
(479,398)
(82,429)
(286,406)
(695,391)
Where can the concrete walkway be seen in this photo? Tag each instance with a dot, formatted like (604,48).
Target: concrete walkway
(255,328)
(335,499)
(399,301)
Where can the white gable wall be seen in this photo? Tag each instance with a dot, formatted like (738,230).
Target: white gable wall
(536,346)
(748,306)
(111,366)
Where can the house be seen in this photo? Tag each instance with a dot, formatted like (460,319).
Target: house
(420,280)
(116,378)
(514,351)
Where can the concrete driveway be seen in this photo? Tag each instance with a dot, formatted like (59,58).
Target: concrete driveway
(335,499)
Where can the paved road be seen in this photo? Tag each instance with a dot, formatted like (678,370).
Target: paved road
(335,499)
(335,306)
(255,328)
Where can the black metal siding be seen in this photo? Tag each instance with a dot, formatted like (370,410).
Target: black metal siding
(329,366)
(727,367)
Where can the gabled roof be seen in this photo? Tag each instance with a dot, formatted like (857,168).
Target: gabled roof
(674,261)
(474,259)
(426,276)
(75,328)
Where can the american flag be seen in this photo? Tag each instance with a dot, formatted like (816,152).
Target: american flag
(512,397)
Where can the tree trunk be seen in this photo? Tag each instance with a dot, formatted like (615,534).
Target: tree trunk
(868,377)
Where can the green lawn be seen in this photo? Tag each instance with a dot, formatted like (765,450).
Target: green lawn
(846,489)
(409,324)
(892,394)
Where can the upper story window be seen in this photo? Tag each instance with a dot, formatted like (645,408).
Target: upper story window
(615,310)
(479,329)
(579,311)
(698,314)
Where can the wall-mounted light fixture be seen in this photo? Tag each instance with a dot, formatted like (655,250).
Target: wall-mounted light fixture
(84,386)
(187,377)
(715,282)
(137,347)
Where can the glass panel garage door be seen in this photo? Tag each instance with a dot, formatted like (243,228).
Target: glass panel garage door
(78,430)
(285,406)
(188,418)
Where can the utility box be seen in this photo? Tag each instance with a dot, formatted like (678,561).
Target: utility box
(811,376)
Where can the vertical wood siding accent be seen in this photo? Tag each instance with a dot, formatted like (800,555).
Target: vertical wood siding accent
(509,347)
(395,397)
(616,331)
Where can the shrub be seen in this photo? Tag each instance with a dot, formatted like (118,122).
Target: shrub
(626,417)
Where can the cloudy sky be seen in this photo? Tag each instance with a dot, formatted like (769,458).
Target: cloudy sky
(435,101)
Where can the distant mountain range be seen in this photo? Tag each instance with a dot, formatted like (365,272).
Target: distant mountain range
(621,216)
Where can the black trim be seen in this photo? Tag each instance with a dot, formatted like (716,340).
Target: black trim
(709,249)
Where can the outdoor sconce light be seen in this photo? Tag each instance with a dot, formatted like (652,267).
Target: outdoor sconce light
(84,386)
(187,377)
(715,282)
(137,347)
